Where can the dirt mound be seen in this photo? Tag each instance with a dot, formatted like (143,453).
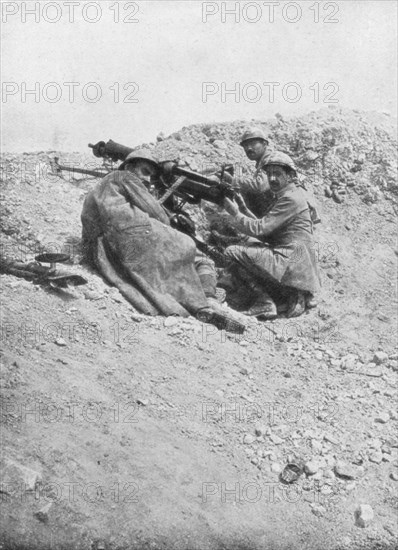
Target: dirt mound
(123,431)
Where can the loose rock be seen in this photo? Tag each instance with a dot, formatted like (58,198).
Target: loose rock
(60,342)
(248,439)
(380,357)
(276,468)
(363,515)
(342,469)
(311,467)
(42,514)
(171,321)
(383,418)
(376,457)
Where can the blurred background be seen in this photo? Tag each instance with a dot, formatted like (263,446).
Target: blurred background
(167,53)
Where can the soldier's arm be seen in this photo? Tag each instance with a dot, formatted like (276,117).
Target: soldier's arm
(283,211)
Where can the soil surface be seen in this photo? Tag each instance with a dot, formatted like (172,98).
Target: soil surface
(122,431)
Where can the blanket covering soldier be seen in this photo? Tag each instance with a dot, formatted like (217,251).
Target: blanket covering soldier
(127,236)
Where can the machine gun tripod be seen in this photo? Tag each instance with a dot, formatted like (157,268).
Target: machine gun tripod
(40,274)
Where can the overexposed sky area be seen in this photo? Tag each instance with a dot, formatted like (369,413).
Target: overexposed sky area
(129,70)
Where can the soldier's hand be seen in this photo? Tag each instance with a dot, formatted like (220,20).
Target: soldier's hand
(227,177)
(231,207)
(213,178)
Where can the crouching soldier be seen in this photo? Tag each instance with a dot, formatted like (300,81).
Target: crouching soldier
(278,256)
(127,236)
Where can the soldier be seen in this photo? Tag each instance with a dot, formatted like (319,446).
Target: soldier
(128,237)
(255,189)
(280,252)
(257,147)
(144,165)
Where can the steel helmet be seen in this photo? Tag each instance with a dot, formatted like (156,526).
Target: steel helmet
(281,159)
(139,154)
(253,133)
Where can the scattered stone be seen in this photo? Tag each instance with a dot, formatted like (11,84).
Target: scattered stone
(316,445)
(372,370)
(311,467)
(276,440)
(346,541)
(376,457)
(143,402)
(60,342)
(276,468)
(260,430)
(363,515)
(246,370)
(171,321)
(42,514)
(14,475)
(331,439)
(318,510)
(394,476)
(375,443)
(383,418)
(91,295)
(392,530)
(380,357)
(337,197)
(393,364)
(136,317)
(248,439)
(344,470)
(220,144)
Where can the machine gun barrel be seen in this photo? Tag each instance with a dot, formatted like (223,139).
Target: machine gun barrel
(192,186)
(197,185)
(57,169)
(111,149)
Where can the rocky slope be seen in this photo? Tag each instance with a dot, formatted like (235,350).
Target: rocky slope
(154,420)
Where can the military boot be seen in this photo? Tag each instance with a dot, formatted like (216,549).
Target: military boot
(220,318)
(263,305)
(296,303)
(310,301)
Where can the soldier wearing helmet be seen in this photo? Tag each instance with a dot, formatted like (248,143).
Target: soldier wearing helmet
(277,262)
(255,188)
(128,235)
(143,164)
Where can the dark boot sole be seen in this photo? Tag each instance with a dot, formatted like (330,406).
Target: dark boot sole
(220,321)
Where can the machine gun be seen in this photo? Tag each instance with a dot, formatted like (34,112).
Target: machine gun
(175,186)
(189,186)
(40,274)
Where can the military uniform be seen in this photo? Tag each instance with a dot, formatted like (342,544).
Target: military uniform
(255,189)
(283,249)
